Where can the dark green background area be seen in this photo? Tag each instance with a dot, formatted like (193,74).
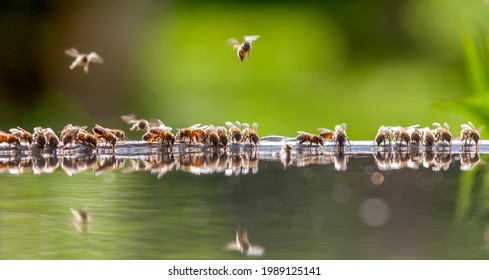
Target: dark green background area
(317,63)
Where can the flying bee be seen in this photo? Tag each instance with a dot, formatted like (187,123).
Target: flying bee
(339,136)
(235,131)
(428,137)
(243,49)
(383,136)
(308,137)
(326,134)
(442,134)
(137,124)
(39,137)
(223,136)
(24,135)
(83,59)
(185,133)
(401,135)
(414,134)
(51,138)
(106,135)
(9,138)
(250,134)
(469,133)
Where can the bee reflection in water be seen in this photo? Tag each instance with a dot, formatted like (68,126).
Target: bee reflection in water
(437,161)
(242,244)
(81,219)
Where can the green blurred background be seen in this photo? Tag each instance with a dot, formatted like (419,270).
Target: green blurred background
(317,63)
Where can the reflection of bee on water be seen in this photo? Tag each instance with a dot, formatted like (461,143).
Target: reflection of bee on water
(81,219)
(242,244)
(243,50)
(468,134)
(469,160)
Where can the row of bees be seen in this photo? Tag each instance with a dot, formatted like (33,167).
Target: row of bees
(413,135)
(230,164)
(216,136)
(220,136)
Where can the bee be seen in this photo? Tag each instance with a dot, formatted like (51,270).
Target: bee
(39,137)
(383,136)
(83,59)
(235,131)
(211,133)
(119,134)
(151,137)
(51,138)
(106,135)
(442,134)
(428,137)
(401,135)
(326,134)
(185,133)
(138,125)
(24,135)
(286,155)
(250,134)
(86,138)
(414,134)
(339,136)
(243,50)
(223,136)
(308,137)
(9,138)
(469,134)
(198,135)
(163,133)
(68,135)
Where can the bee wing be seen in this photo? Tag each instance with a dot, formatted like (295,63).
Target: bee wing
(233,43)
(343,125)
(94,57)
(245,125)
(471,124)
(414,126)
(72,52)
(446,126)
(251,38)
(129,119)
(436,125)
(232,246)
(255,126)
(195,125)
(229,124)
(301,132)
(238,123)
(323,129)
